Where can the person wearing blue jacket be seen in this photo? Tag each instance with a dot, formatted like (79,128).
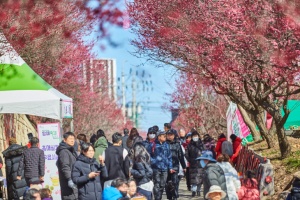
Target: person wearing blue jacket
(86,173)
(161,163)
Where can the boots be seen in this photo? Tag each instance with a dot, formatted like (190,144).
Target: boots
(193,194)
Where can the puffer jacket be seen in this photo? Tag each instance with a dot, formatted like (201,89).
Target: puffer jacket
(111,193)
(100,146)
(15,188)
(88,189)
(161,156)
(214,175)
(249,190)
(141,172)
(32,162)
(177,155)
(193,151)
(66,159)
(233,182)
(218,148)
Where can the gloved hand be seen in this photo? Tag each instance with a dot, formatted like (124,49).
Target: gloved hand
(71,184)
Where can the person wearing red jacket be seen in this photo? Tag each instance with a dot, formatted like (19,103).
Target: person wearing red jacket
(236,146)
(218,148)
(249,189)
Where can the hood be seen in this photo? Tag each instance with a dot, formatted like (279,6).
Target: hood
(222,139)
(238,139)
(101,142)
(63,146)
(85,159)
(13,150)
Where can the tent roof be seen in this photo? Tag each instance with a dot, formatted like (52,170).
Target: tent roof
(22,90)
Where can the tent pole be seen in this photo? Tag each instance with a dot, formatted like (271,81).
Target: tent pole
(72,125)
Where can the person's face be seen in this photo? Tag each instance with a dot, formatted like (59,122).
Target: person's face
(162,138)
(215,196)
(70,140)
(90,153)
(165,128)
(170,137)
(123,188)
(132,188)
(37,196)
(182,133)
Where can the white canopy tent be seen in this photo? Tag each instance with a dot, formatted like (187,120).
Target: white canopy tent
(23,91)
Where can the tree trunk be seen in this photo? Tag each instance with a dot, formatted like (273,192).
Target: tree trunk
(284,145)
(270,139)
(250,124)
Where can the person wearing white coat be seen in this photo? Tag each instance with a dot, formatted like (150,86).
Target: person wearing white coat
(233,182)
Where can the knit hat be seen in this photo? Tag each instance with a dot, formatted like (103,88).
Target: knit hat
(215,188)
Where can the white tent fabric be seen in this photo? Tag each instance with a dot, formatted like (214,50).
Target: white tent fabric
(26,92)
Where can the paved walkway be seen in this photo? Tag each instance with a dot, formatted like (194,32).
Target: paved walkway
(184,194)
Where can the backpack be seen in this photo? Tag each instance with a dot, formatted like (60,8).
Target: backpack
(227,148)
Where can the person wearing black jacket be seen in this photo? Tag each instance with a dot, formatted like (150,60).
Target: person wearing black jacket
(66,159)
(124,139)
(116,160)
(12,155)
(193,151)
(177,159)
(142,171)
(86,173)
(33,164)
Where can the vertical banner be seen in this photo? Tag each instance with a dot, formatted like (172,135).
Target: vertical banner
(235,122)
(67,109)
(49,136)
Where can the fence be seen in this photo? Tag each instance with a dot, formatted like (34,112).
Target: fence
(249,160)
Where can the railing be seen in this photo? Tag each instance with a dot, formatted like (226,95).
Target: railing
(249,160)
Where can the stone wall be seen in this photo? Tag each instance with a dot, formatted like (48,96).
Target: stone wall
(15,125)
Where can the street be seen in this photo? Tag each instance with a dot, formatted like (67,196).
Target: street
(184,193)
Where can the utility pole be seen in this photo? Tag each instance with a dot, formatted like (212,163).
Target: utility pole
(134,98)
(123,95)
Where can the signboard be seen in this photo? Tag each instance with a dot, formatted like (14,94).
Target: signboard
(67,109)
(235,122)
(49,136)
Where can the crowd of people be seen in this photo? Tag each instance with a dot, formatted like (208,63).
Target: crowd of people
(132,168)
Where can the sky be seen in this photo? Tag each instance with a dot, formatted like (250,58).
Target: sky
(162,78)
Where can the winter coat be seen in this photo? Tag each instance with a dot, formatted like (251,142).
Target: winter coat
(117,162)
(100,146)
(124,142)
(177,155)
(141,172)
(147,144)
(66,159)
(192,152)
(111,193)
(15,188)
(233,183)
(32,162)
(218,148)
(237,145)
(88,189)
(214,175)
(130,143)
(161,156)
(249,191)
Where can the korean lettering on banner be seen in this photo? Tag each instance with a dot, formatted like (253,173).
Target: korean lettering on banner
(49,136)
(67,109)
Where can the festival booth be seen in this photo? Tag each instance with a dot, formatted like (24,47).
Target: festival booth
(22,91)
